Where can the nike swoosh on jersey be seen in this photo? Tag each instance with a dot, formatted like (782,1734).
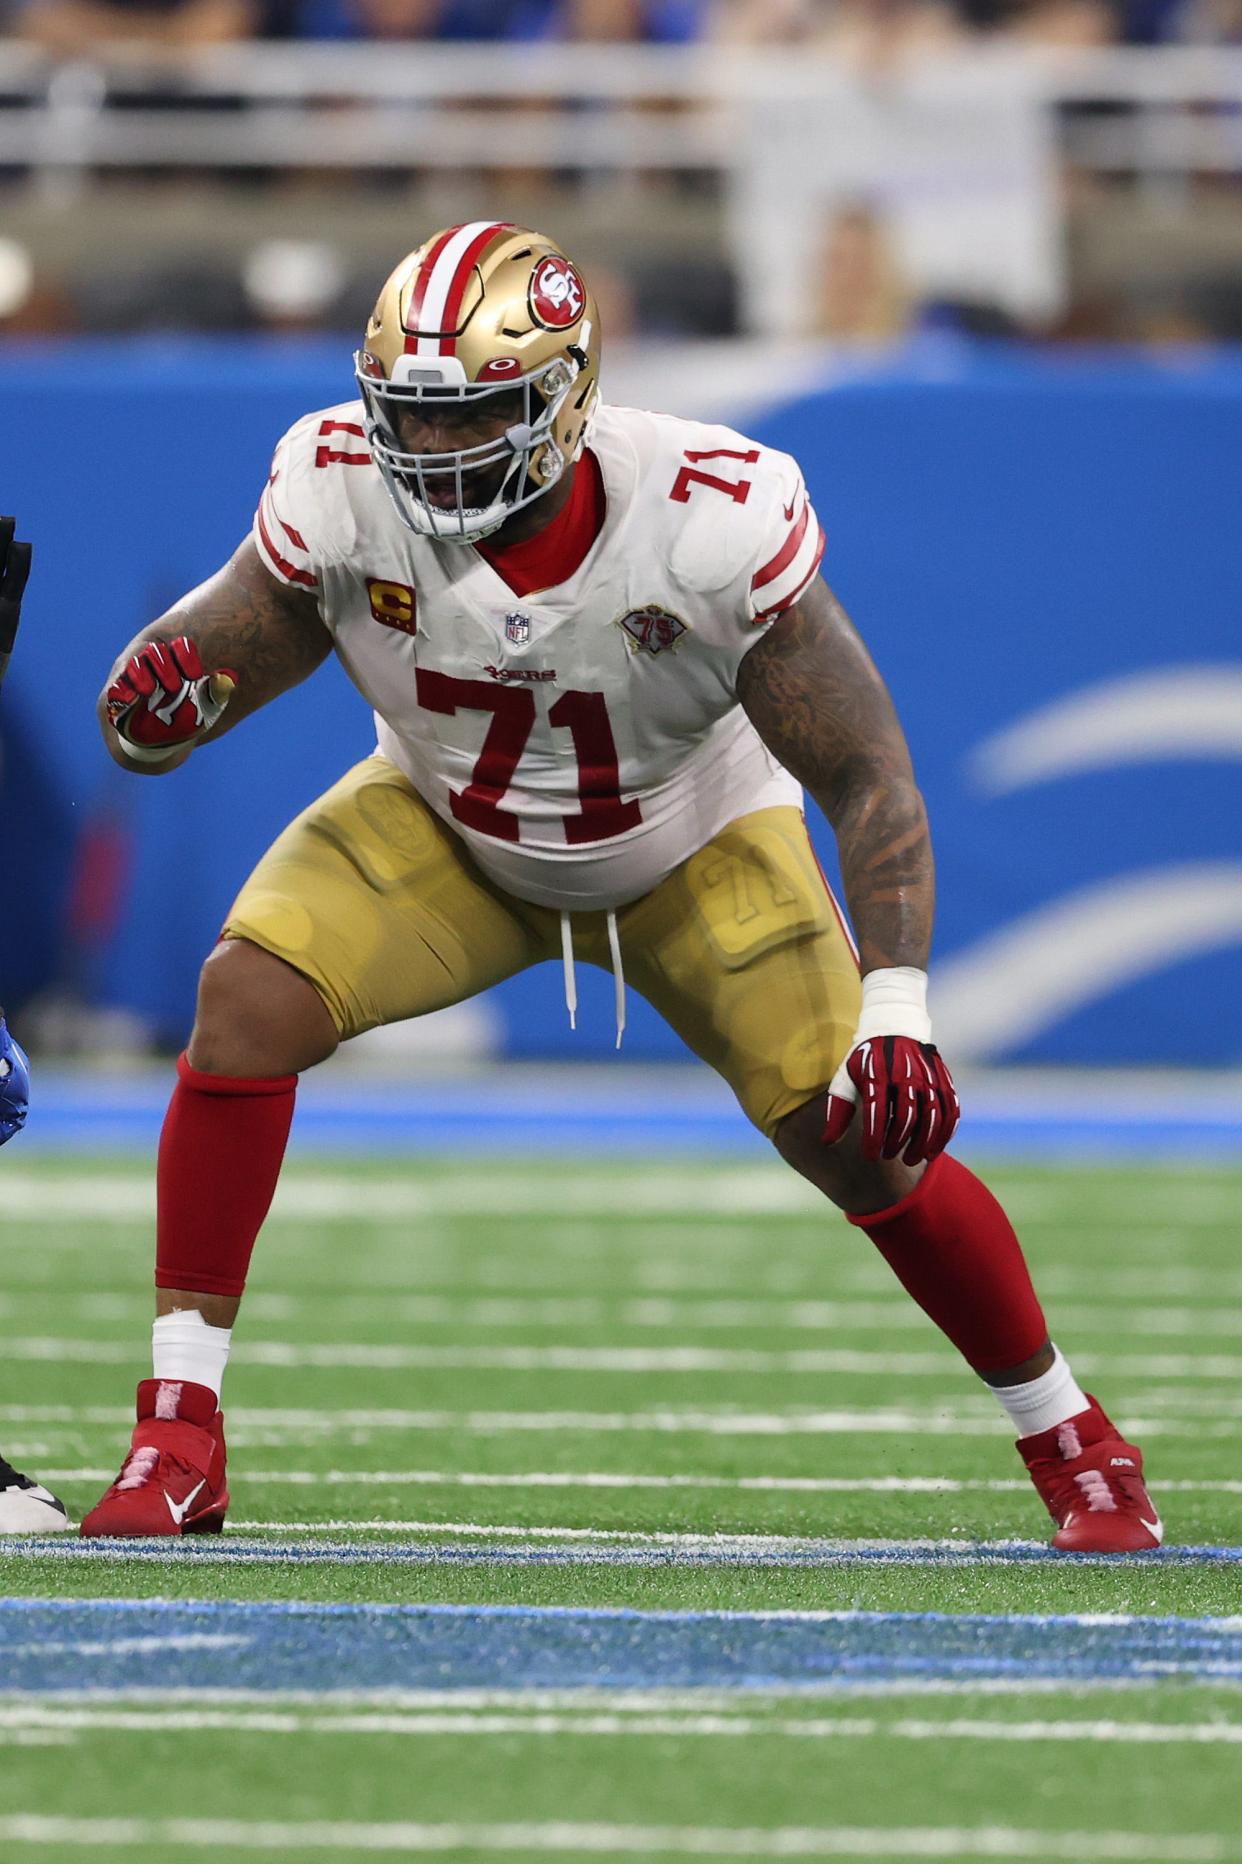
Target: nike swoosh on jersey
(178,1510)
(789,509)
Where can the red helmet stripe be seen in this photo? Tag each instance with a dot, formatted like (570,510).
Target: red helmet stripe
(425,270)
(441,285)
(461,278)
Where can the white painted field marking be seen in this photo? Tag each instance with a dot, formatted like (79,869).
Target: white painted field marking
(442,1271)
(1155,1368)
(629,1537)
(128,1646)
(601,1479)
(606,1479)
(640,1360)
(66,1723)
(252,1426)
(895,1313)
(295,1420)
(571,1702)
(786,1841)
(736,1192)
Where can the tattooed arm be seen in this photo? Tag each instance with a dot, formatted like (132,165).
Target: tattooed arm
(812,692)
(244,619)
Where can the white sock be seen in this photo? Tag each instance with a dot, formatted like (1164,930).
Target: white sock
(1044,1402)
(184,1348)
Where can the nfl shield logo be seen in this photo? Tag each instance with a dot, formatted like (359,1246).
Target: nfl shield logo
(517,629)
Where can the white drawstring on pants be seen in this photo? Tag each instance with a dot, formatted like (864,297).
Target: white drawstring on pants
(571,977)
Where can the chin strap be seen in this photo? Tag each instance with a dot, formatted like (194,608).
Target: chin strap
(571,976)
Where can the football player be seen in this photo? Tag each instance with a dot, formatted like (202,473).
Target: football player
(604,667)
(26,1507)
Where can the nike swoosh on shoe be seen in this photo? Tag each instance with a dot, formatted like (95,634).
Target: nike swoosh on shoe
(1155,1527)
(179,1510)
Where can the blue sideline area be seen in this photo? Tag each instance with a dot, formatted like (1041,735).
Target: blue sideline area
(135,1645)
(672,1110)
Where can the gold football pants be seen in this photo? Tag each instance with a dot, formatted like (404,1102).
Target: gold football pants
(740,949)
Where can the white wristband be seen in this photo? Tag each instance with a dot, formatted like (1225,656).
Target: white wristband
(148,753)
(894,1003)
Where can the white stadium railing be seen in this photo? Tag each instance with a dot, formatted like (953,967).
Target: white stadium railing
(334,104)
(962,151)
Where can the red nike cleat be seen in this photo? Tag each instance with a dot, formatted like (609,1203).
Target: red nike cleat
(172,1481)
(1091,1482)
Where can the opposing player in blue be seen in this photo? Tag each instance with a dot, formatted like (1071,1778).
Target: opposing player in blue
(25,1506)
(14,1084)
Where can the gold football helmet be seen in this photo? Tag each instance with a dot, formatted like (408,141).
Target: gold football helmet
(483,323)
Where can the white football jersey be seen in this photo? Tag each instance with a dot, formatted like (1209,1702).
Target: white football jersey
(586,739)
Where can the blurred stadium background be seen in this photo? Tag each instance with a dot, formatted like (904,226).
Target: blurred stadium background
(979,264)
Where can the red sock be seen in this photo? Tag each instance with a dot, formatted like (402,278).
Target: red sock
(952,1247)
(220,1156)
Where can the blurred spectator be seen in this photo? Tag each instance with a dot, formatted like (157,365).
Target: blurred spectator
(16,278)
(1207,22)
(1193,313)
(71,28)
(863,296)
(663,22)
(666,21)
(293,285)
(29,304)
(180,294)
(863,31)
(1046,22)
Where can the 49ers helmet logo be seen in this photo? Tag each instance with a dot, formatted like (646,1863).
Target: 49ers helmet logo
(557,294)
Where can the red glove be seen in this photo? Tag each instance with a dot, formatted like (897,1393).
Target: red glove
(163,699)
(909,1103)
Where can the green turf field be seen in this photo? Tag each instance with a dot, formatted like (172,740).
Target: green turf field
(665,1387)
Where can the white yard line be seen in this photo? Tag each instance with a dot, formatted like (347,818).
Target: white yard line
(892,1314)
(938,1841)
(608,1536)
(734,1192)
(127,1646)
(608,1479)
(252,1426)
(66,1723)
(569,1701)
(1153,1368)
(603,1479)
